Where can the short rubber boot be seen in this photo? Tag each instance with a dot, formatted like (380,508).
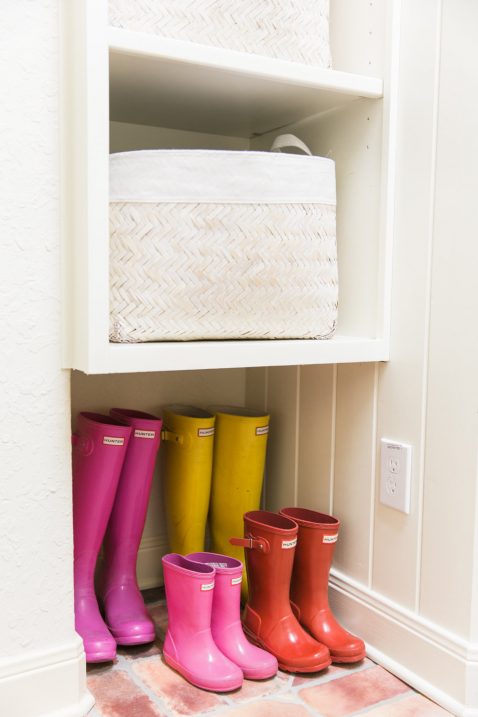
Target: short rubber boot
(126,615)
(99,449)
(310,580)
(238,471)
(188,440)
(226,627)
(189,646)
(268,620)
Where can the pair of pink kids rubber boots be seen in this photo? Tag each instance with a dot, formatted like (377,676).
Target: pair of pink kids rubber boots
(113,464)
(205,642)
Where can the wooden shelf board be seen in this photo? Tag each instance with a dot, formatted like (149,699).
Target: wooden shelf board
(184,356)
(171,83)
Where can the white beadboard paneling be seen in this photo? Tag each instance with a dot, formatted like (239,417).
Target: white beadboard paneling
(354,462)
(316,437)
(452,426)
(403,382)
(282,404)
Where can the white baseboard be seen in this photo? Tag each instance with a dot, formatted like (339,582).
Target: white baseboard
(50,683)
(438,663)
(149,568)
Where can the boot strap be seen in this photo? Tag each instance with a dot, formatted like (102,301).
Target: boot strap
(252,543)
(170,436)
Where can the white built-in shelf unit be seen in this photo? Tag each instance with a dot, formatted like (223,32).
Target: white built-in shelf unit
(125,90)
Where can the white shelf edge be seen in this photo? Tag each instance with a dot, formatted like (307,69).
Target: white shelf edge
(187,356)
(258,66)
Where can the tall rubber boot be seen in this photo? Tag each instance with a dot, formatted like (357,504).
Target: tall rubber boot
(270,541)
(188,441)
(126,615)
(310,580)
(189,647)
(226,628)
(99,449)
(238,471)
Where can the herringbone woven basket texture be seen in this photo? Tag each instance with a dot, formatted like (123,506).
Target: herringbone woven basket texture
(222,271)
(296,30)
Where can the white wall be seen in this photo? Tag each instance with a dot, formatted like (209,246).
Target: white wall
(408,583)
(36,597)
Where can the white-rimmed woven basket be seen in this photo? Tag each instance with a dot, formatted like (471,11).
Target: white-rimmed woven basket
(296,30)
(221,245)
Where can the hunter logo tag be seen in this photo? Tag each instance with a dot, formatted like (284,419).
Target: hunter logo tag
(236,581)
(203,432)
(330,538)
(287,544)
(207,586)
(112,441)
(262,430)
(144,434)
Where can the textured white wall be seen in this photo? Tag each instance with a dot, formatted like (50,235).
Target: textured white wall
(35,497)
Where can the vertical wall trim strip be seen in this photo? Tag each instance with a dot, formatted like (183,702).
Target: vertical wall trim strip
(297,436)
(333,420)
(426,352)
(266,409)
(373,471)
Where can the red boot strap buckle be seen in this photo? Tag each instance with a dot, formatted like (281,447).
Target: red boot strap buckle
(252,543)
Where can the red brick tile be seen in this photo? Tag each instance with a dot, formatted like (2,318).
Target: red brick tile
(410,706)
(266,708)
(134,652)
(116,695)
(261,688)
(334,670)
(159,613)
(181,697)
(341,697)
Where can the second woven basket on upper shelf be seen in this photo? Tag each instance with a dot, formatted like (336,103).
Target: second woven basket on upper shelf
(296,30)
(221,245)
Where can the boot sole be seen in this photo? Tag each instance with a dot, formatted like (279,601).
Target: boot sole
(347,660)
(134,639)
(175,666)
(282,665)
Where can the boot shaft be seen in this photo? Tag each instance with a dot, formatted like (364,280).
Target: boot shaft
(240,444)
(99,449)
(314,553)
(129,510)
(270,561)
(226,605)
(188,448)
(189,590)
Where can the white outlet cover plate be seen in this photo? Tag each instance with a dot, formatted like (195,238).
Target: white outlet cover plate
(395,474)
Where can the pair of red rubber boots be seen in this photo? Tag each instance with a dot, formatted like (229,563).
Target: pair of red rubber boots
(288,558)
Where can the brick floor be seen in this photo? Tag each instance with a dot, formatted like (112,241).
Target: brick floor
(140,684)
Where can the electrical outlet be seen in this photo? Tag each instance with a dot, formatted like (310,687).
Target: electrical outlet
(395,474)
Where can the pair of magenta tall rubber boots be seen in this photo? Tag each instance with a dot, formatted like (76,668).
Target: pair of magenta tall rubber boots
(113,464)
(205,642)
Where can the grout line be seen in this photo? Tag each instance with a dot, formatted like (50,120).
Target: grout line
(333,420)
(383,703)
(373,476)
(426,352)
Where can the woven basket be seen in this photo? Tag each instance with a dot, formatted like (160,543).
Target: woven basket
(221,245)
(296,30)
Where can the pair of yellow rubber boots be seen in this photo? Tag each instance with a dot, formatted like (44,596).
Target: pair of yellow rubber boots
(214,463)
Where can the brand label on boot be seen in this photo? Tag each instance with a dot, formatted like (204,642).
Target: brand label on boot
(217,565)
(144,434)
(207,586)
(287,544)
(330,538)
(236,581)
(203,432)
(112,441)
(262,430)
